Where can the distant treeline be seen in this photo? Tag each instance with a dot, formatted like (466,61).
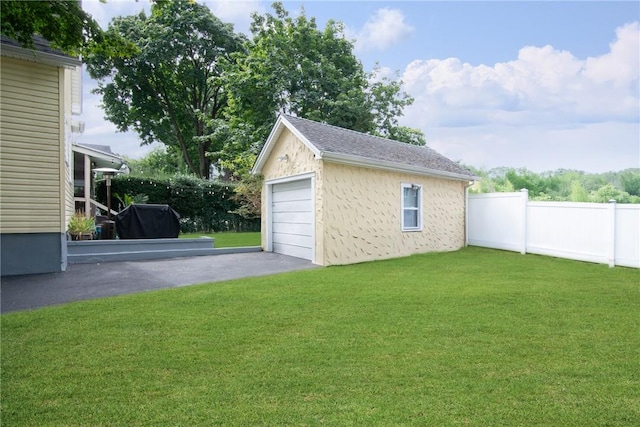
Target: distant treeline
(562,184)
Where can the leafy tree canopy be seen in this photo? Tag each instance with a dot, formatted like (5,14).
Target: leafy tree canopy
(170,88)
(159,162)
(291,66)
(62,22)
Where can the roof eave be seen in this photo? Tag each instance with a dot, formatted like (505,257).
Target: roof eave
(97,154)
(40,57)
(352,160)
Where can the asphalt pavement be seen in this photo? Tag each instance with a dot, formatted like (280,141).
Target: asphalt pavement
(88,281)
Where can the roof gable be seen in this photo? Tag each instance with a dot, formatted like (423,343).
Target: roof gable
(339,145)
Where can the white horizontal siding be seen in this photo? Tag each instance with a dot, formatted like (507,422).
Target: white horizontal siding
(30,150)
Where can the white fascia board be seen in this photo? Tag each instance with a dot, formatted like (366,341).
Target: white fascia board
(91,152)
(40,57)
(276,131)
(302,138)
(266,149)
(351,160)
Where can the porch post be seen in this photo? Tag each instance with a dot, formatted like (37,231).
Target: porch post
(87,185)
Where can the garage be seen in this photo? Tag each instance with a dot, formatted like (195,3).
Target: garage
(334,196)
(292,224)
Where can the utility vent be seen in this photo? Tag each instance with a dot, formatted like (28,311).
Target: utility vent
(77,127)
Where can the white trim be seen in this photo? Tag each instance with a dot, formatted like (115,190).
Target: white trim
(403,208)
(40,57)
(97,154)
(290,178)
(268,188)
(276,131)
(302,138)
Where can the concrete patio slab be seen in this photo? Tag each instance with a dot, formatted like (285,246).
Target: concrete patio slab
(88,281)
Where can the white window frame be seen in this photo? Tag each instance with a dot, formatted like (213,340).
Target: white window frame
(403,208)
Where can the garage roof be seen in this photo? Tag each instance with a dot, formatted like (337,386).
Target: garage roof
(339,145)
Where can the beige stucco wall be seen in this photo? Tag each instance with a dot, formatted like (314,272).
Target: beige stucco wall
(362,215)
(32,150)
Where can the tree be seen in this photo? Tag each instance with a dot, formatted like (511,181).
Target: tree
(578,193)
(630,181)
(170,89)
(609,192)
(291,66)
(248,195)
(159,162)
(62,22)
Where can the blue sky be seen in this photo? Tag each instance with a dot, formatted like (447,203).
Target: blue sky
(542,85)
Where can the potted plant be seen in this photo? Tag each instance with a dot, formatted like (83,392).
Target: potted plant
(81,227)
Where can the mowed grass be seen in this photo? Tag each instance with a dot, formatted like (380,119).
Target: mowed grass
(228,239)
(475,337)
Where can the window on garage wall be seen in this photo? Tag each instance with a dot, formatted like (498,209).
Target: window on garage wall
(411,207)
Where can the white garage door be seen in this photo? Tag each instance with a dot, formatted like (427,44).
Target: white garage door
(292,219)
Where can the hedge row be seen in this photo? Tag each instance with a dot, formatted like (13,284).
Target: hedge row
(202,205)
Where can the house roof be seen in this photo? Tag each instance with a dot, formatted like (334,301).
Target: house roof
(339,145)
(100,154)
(41,52)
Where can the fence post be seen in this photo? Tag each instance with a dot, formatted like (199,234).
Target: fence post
(611,233)
(523,236)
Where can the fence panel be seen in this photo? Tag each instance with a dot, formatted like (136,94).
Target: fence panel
(495,220)
(595,232)
(627,246)
(569,230)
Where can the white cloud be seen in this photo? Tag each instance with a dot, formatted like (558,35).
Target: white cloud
(237,12)
(542,84)
(104,12)
(529,100)
(384,29)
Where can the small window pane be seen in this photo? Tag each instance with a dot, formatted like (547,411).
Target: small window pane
(410,198)
(410,218)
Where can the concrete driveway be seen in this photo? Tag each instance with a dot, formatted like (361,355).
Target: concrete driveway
(88,281)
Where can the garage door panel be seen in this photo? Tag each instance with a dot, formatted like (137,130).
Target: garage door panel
(291,217)
(293,195)
(292,206)
(294,251)
(293,185)
(292,226)
(293,239)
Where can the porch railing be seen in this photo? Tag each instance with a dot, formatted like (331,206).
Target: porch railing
(94,203)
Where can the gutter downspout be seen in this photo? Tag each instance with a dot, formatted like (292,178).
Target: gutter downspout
(466,212)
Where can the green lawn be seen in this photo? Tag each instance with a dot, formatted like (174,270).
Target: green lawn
(476,337)
(229,239)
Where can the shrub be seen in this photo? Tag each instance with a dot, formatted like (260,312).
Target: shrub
(202,205)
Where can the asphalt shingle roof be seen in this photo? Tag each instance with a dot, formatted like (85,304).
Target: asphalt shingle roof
(40,44)
(340,141)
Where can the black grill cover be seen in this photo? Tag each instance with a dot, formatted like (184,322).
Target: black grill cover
(148,222)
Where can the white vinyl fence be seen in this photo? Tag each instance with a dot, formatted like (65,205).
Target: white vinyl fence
(607,233)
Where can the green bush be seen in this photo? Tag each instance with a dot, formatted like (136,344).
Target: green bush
(202,205)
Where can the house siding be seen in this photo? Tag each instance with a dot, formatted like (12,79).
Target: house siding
(36,191)
(30,164)
(361,211)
